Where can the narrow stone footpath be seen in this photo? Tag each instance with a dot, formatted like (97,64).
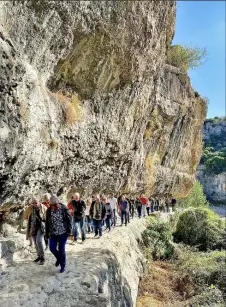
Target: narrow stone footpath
(101,272)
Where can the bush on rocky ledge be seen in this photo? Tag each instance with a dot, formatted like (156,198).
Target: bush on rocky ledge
(185,57)
(157,237)
(200,227)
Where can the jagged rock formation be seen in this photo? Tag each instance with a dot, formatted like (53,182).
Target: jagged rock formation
(87,100)
(214,184)
(101,273)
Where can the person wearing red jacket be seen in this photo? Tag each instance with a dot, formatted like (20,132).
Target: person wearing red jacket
(144,202)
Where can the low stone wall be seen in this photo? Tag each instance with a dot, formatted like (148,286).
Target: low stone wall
(7,248)
(101,272)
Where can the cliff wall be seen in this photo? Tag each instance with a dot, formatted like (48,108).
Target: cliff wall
(212,170)
(88,101)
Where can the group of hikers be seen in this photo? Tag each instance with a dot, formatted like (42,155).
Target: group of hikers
(55,222)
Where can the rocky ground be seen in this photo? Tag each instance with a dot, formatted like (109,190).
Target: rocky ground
(100,272)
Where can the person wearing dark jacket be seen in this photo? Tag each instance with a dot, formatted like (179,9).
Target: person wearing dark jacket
(138,205)
(130,209)
(124,208)
(78,208)
(36,227)
(58,228)
(97,213)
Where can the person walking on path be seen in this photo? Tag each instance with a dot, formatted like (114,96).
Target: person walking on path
(113,203)
(36,215)
(78,207)
(173,203)
(168,203)
(109,213)
(124,208)
(156,206)
(88,220)
(144,202)
(138,205)
(97,213)
(58,228)
(132,209)
(148,207)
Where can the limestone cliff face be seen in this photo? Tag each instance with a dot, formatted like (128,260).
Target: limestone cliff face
(88,101)
(214,136)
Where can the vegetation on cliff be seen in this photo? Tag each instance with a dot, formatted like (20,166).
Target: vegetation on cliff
(185,57)
(196,197)
(214,154)
(200,227)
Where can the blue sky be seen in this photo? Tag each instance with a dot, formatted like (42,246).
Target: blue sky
(202,23)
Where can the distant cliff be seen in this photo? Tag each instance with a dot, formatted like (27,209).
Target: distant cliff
(212,170)
(87,100)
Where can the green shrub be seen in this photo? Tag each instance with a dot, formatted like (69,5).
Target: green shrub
(200,227)
(185,57)
(202,270)
(158,237)
(195,198)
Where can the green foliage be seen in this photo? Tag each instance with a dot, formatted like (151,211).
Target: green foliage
(185,57)
(214,155)
(200,227)
(202,269)
(157,237)
(216,120)
(195,198)
(214,161)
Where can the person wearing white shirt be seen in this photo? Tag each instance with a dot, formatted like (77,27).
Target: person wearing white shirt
(89,225)
(113,203)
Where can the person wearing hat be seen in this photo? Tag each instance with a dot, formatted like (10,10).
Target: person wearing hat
(58,228)
(36,215)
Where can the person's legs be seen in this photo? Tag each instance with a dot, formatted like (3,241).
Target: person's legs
(148,208)
(53,241)
(128,217)
(143,210)
(88,223)
(139,211)
(99,224)
(76,224)
(132,212)
(91,225)
(62,253)
(95,226)
(36,248)
(122,215)
(39,245)
(82,227)
(46,242)
(108,222)
(114,218)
